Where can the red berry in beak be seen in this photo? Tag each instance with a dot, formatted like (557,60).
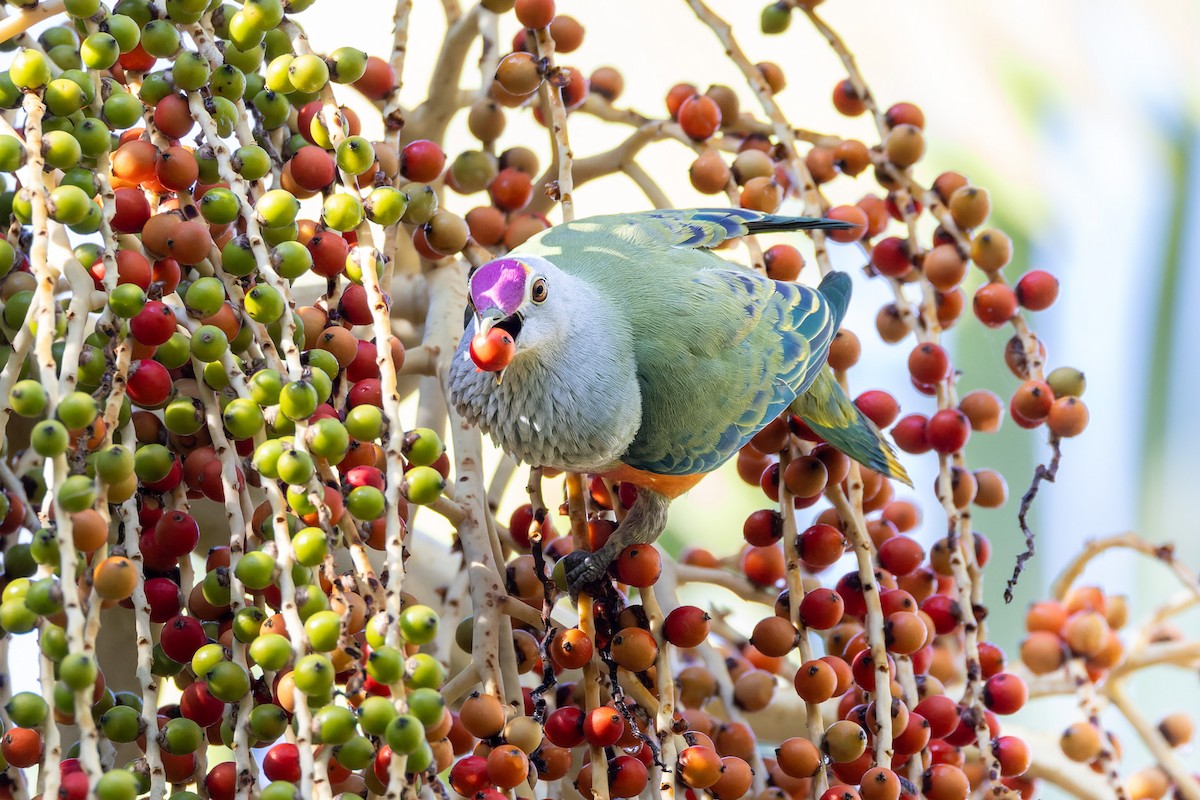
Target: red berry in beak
(493,351)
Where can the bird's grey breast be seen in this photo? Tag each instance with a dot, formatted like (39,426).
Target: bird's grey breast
(577,408)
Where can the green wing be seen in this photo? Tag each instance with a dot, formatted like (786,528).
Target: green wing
(833,416)
(721,350)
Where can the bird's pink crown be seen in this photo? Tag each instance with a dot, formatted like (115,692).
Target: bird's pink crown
(499,284)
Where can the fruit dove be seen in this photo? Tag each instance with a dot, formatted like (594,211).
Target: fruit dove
(622,346)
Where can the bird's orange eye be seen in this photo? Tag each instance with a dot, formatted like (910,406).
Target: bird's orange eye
(538,292)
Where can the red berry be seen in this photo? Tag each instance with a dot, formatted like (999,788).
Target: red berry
(176,533)
(638,565)
(846,99)
(676,96)
(154,324)
(852,214)
(198,705)
(1005,693)
(941,712)
(783,262)
(911,434)
(686,626)
(928,363)
(627,776)
(511,189)
(944,611)
(422,161)
(891,257)
(181,637)
(132,210)
(149,383)
(1037,290)
(995,304)
(822,608)
(535,13)
(763,527)
(493,351)
(312,168)
(820,546)
(470,775)
(948,430)
(564,727)
(700,117)
(901,555)
(603,726)
(878,406)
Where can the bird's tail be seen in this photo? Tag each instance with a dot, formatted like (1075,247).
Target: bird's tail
(831,414)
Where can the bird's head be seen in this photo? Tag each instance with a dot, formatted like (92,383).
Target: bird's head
(518,306)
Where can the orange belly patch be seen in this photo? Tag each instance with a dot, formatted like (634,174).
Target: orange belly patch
(669,485)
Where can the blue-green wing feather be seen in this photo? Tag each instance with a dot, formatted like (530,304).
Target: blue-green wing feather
(721,350)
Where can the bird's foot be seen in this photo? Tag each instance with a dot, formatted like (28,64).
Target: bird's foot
(584,569)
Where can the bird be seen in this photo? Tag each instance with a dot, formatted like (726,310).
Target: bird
(623,346)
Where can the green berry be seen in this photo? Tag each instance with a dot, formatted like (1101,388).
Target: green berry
(122,724)
(347,64)
(209,343)
(152,462)
(418,624)
(124,29)
(28,398)
(190,71)
(77,410)
(365,422)
(160,38)
(385,205)
(323,629)
(342,212)
(265,304)
(251,162)
(79,671)
(271,651)
(328,439)
(310,546)
(181,736)
(220,206)
(335,725)
(405,734)
(228,681)
(374,716)
(114,463)
(314,675)
(308,73)
(365,503)
(423,485)
(27,709)
(175,352)
(243,418)
(427,705)
(422,447)
(298,400)
(49,438)
(256,570)
(118,784)
(268,721)
(277,208)
(355,155)
(31,70)
(424,671)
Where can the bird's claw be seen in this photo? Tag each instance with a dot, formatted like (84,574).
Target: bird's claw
(583,569)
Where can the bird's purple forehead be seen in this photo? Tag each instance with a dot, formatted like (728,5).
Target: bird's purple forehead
(499,284)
